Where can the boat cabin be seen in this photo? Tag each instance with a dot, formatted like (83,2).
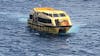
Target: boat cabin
(49,17)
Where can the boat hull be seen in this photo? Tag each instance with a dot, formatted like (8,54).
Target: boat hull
(50,29)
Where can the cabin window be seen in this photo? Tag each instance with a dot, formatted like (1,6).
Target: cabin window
(47,14)
(55,15)
(44,20)
(62,14)
(31,16)
(50,15)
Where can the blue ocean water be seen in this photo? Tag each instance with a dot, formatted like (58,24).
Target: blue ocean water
(17,40)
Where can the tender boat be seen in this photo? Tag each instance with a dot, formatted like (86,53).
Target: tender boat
(49,20)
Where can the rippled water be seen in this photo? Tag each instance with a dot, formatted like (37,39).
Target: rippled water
(83,39)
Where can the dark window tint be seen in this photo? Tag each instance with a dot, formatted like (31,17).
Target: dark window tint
(62,15)
(57,22)
(44,20)
(31,16)
(47,14)
(50,15)
(55,15)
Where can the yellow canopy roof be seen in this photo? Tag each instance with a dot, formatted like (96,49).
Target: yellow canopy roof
(47,10)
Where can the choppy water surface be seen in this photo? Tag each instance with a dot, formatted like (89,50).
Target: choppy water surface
(17,40)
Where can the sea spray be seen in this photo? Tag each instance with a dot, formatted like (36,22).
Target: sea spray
(74,29)
(23,19)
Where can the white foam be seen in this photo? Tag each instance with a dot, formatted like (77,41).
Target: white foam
(36,33)
(74,29)
(22,19)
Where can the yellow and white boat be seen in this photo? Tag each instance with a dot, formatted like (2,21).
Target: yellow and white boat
(49,20)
